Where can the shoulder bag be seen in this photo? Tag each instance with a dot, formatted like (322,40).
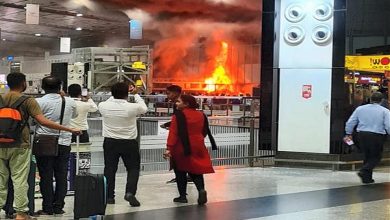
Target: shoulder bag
(45,145)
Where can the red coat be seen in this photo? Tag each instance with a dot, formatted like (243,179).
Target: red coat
(198,162)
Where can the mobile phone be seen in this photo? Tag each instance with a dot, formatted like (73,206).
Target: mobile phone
(84,92)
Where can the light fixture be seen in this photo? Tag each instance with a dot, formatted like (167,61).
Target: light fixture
(4,39)
(79,29)
(38,35)
(79,15)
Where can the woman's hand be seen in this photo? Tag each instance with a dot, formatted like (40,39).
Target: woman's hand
(167,154)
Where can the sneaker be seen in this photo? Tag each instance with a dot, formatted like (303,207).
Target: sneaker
(172,180)
(180,199)
(132,200)
(110,201)
(41,212)
(24,216)
(202,199)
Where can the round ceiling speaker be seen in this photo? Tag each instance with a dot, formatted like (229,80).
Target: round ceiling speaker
(321,34)
(294,13)
(323,12)
(294,35)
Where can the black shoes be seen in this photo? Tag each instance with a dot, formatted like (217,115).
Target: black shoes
(181,199)
(132,200)
(172,181)
(41,212)
(202,199)
(110,201)
(365,179)
(58,213)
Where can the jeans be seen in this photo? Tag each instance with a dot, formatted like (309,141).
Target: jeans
(128,150)
(15,162)
(53,200)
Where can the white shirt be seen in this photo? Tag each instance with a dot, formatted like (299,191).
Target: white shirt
(120,117)
(51,109)
(83,108)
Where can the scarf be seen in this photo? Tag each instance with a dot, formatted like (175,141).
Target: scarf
(183,132)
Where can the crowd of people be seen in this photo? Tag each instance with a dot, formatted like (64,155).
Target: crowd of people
(64,117)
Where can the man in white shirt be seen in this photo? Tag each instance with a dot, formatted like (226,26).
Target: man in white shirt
(83,108)
(120,133)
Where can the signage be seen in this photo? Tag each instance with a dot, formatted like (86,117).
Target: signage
(138,65)
(65,44)
(306,91)
(368,63)
(10,58)
(32,14)
(135,29)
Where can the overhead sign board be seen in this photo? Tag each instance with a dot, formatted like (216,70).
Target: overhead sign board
(368,63)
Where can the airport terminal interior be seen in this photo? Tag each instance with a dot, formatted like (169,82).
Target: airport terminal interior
(277,80)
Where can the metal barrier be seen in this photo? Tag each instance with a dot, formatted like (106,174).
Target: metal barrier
(226,156)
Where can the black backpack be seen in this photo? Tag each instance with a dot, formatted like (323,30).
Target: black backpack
(11,122)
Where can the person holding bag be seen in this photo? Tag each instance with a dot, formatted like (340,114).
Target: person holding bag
(186,148)
(53,163)
(15,156)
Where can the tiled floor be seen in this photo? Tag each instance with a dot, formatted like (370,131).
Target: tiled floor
(235,187)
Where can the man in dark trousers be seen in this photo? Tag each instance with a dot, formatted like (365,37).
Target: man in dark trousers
(120,139)
(373,125)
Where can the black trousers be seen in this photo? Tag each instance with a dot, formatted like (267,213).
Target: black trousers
(84,137)
(371,145)
(181,181)
(128,150)
(53,200)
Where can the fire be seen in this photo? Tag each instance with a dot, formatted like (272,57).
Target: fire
(220,80)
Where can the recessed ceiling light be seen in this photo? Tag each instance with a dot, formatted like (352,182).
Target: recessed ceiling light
(4,39)
(38,35)
(79,29)
(79,15)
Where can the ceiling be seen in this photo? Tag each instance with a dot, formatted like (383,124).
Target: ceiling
(105,24)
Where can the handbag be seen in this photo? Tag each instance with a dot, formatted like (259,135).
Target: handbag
(45,145)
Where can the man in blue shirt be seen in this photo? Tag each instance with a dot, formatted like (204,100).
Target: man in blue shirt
(373,125)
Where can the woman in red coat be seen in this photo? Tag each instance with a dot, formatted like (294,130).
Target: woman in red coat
(186,148)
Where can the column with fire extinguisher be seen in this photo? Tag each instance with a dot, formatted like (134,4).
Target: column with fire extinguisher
(308,71)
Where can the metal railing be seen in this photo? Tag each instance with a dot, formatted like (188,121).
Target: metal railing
(226,156)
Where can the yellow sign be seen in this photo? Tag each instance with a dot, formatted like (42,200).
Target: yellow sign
(368,63)
(139,65)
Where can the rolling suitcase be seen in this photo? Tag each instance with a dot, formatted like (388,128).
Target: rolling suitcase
(90,197)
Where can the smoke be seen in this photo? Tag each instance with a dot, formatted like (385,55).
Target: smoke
(182,25)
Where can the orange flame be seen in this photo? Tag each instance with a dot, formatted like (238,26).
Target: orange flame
(220,80)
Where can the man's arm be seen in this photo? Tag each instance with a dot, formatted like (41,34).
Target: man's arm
(92,105)
(41,119)
(142,108)
(387,122)
(351,123)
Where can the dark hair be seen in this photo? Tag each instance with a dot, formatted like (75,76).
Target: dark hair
(190,101)
(120,90)
(74,90)
(51,84)
(174,88)
(16,80)
(376,97)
